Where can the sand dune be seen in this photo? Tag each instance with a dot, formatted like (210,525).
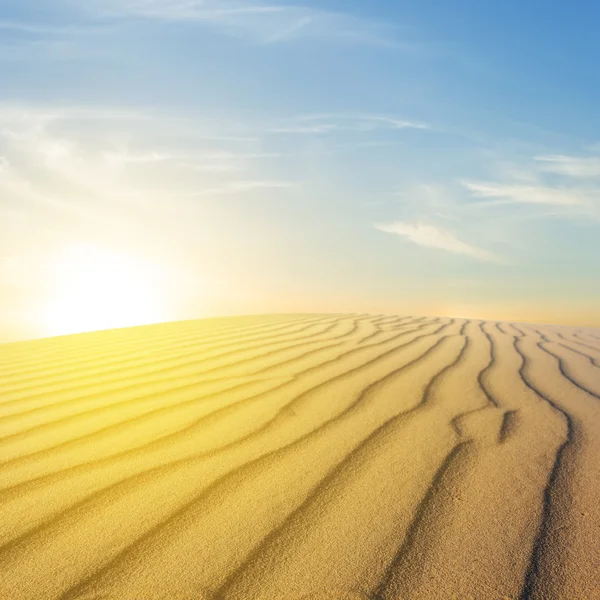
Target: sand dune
(302,456)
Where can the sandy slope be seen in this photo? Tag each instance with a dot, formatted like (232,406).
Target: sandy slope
(302,456)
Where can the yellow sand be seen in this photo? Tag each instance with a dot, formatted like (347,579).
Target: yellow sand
(302,456)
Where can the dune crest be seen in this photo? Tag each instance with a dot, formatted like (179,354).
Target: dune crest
(297,457)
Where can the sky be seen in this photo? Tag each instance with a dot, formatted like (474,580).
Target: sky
(179,159)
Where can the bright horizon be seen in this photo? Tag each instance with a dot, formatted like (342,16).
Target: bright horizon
(168,160)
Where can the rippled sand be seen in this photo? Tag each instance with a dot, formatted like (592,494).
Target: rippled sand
(302,456)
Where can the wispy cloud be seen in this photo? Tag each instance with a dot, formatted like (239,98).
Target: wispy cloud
(305,129)
(508,210)
(265,23)
(506,193)
(78,163)
(237,187)
(571,166)
(180,10)
(430,236)
(566,184)
(31,40)
(330,123)
(368,121)
(45,29)
(36,115)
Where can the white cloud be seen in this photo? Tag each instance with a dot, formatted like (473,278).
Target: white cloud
(98,164)
(430,236)
(305,129)
(265,23)
(571,166)
(27,40)
(44,29)
(41,116)
(507,193)
(237,187)
(180,10)
(366,121)
(329,123)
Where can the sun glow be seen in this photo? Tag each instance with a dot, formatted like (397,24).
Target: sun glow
(94,289)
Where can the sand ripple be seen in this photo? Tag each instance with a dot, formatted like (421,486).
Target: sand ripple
(338,457)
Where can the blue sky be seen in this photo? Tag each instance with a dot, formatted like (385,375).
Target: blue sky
(416,157)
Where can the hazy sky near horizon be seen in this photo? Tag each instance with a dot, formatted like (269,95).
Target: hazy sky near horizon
(431,157)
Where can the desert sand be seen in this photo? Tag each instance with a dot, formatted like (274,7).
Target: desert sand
(339,457)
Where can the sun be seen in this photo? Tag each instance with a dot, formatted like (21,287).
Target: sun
(93,288)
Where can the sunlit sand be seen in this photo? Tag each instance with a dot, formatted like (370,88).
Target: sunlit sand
(302,456)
